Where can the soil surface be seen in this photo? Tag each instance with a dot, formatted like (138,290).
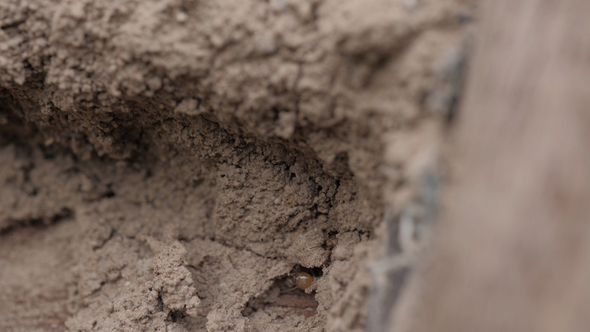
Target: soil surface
(168,165)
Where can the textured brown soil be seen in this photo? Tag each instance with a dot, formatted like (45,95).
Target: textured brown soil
(166,165)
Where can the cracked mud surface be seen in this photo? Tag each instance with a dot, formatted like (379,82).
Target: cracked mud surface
(167,165)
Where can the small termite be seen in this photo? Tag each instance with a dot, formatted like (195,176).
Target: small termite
(301,280)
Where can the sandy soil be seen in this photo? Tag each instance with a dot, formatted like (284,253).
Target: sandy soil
(167,165)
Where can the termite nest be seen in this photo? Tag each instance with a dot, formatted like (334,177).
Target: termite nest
(292,294)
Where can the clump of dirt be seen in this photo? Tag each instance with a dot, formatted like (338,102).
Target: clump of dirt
(166,165)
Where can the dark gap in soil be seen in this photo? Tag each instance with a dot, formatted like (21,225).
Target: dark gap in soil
(40,222)
(283,300)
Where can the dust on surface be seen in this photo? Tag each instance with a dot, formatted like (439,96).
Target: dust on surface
(166,165)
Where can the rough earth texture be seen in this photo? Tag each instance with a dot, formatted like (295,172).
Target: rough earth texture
(166,165)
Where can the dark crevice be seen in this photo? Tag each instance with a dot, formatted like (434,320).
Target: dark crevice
(284,299)
(12,25)
(38,222)
(176,316)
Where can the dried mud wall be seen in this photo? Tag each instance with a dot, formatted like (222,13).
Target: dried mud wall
(166,165)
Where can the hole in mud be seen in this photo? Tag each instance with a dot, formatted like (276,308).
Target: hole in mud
(317,272)
(109,194)
(283,300)
(176,316)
